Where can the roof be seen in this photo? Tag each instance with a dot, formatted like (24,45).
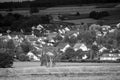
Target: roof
(52,35)
(70,33)
(51,49)
(80,46)
(110,55)
(77,45)
(61,45)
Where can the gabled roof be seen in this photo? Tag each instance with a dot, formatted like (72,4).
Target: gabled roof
(70,33)
(61,45)
(80,46)
(77,45)
(52,35)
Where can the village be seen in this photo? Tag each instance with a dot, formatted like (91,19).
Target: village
(68,43)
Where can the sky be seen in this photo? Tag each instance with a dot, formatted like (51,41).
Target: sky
(14,0)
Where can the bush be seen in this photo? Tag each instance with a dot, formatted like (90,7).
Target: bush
(26,46)
(69,54)
(34,10)
(77,14)
(23,57)
(6,59)
(98,15)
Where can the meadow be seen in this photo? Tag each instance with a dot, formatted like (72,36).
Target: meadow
(62,71)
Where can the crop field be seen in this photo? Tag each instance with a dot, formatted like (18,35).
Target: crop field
(60,64)
(62,71)
(84,11)
(64,10)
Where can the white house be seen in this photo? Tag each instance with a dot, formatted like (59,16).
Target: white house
(106,27)
(112,30)
(80,46)
(102,49)
(65,48)
(118,25)
(110,56)
(67,29)
(33,56)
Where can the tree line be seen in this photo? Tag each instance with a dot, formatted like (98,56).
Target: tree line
(16,22)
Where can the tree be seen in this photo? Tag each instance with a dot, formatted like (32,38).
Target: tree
(6,58)
(2,44)
(79,53)
(77,14)
(89,37)
(69,54)
(10,44)
(23,57)
(73,39)
(26,46)
(34,10)
(45,19)
(98,15)
(94,53)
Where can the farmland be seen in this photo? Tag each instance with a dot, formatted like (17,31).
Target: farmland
(64,71)
(84,11)
(63,10)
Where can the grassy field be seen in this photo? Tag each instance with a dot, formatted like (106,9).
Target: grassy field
(62,71)
(60,64)
(64,10)
(69,13)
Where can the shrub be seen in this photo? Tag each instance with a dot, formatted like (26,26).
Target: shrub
(34,10)
(69,54)
(6,59)
(98,15)
(26,46)
(23,57)
(77,14)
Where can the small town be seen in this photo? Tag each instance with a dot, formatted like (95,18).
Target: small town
(59,40)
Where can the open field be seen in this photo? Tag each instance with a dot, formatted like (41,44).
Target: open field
(70,11)
(60,64)
(62,71)
(63,10)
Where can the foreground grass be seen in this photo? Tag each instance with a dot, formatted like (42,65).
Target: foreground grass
(63,78)
(62,71)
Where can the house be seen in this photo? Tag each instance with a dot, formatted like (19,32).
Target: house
(118,25)
(32,56)
(55,17)
(82,46)
(110,56)
(105,27)
(94,27)
(39,27)
(67,29)
(63,46)
(112,30)
(98,34)
(102,49)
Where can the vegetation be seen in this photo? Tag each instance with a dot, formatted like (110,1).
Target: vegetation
(6,57)
(23,57)
(98,15)
(48,3)
(10,21)
(34,10)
